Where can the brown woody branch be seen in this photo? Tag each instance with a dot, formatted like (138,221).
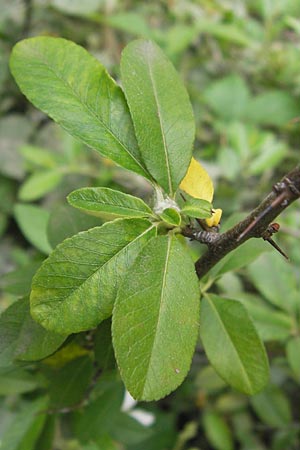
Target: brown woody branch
(255,224)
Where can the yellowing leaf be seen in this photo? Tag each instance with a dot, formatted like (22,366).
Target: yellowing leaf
(197,182)
(214,220)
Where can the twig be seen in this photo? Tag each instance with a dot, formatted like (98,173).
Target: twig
(255,224)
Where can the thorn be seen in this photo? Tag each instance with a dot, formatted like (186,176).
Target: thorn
(273,243)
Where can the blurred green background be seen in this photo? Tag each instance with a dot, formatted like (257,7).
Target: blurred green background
(240,61)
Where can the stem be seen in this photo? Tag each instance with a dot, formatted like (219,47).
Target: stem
(255,224)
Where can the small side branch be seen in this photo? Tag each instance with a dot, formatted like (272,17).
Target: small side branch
(254,225)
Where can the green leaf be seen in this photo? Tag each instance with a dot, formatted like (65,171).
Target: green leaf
(293,352)
(273,108)
(29,414)
(272,407)
(39,157)
(228,97)
(195,207)
(108,203)
(22,338)
(39,184)
(75,288)
(271,324)
(276,281)
(18,282)
(97,418)
(217,431)
(161,112)
(73,88)
(12,164)
(232,344)
(171,216)
(68,384)
(33,223)
(103,348)
(65,221)
(14,381)
(155,319)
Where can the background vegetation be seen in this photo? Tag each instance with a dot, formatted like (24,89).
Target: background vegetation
(240,62)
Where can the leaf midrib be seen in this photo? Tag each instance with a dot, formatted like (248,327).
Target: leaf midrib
(159,113)
(89,110)
(214,309)
(163,285)
(100,268)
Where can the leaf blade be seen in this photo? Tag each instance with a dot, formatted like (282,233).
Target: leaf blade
(108,203)
(232,344)
(156,321)
(164,122)
(75,287)
(73,88)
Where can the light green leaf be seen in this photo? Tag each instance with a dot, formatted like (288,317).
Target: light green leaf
(75,288)
(108,203)
(228,97)
(39,184)
(195,207)
(33,223)
(22,338)
(171,216)
(217,431)
(272,407)
(232,344)
(293,352)
(14,380)
(39,157)
(271,324)
(161,112)
(73,88)
(273,108)
(276,281)
(29,414)
(155,319)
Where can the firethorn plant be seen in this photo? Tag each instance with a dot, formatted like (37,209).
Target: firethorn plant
(137,266)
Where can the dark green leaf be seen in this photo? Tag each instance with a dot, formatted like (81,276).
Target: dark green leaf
(22,338)
(232,344)
(97,418)
(73,88)
(75,288)
(65,221)
(103,348)
(155,319)
(108,203)
(69,384)
(18,282)
(161,112)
